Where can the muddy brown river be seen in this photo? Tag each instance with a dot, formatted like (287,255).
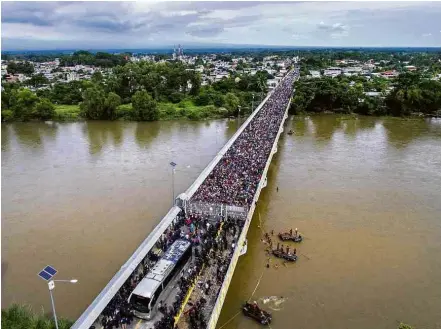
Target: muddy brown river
(365,193)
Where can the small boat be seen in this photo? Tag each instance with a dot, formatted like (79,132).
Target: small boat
(285,236)
(287,256)
(290,132)
(255,312)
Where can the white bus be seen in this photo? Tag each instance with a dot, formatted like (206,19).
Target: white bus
(144,297)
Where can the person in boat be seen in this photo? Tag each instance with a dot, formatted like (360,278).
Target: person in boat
(296,231)
(290,231)
(295,251)
(272,232)
(278,244)
(287,250)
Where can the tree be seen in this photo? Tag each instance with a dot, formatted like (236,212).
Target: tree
(93,105)
(23,104)
(20,67)
(144,107)
(231,102)
(67,93)
(37,80)
(44,109)
(195,84)
(111,103)
(97,77)
(203,99)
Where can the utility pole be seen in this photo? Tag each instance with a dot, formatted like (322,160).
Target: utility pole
(173,165)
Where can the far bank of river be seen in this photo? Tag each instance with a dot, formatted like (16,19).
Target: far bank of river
(365,192)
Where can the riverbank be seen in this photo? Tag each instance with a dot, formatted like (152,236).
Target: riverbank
(187,110)
(167,111)
(414,115)
(23,316)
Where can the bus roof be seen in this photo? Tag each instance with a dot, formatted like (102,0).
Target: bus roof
(162,268)
(146,287)
(176,250)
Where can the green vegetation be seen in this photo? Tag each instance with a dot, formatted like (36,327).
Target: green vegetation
(171,90)
(20,67)
(101,59)
(22,317)
(410,95)
(404,326)
(67,112)
(154,90)
(21,104)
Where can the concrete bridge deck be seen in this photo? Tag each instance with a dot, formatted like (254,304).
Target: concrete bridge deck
(92,313)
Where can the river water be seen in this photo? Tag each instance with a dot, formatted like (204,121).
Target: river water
(365,193)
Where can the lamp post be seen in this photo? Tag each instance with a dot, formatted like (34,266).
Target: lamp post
(252,105)
(47,274)
(173,165)
(238,113)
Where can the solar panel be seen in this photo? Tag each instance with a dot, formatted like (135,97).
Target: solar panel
(172,164)
(46,276)
(50,270)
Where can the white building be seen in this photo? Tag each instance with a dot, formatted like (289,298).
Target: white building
(72,76)
(332,72)
(272,83)
(315,74)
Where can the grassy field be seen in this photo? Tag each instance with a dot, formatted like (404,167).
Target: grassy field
(67,112)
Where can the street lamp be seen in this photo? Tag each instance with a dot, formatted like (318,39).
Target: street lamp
(238,113)
(173,165)
(252,105)
(47,274)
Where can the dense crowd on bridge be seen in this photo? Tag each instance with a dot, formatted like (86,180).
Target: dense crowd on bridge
(208,241)
(234,179)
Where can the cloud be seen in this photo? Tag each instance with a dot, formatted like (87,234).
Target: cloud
(335,30)
(336,27)
(146,24)
(426,34)
(297,36)
(205,31)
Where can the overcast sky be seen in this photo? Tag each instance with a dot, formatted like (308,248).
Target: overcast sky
(94,25)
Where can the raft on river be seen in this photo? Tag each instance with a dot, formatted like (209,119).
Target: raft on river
(256,313)
(285,236)
(287,256)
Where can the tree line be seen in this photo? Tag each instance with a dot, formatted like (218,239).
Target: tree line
(409,94)
(141,86)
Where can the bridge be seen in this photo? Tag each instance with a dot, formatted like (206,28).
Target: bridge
(216,199)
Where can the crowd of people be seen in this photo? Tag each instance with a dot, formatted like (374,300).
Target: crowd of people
(233,181)
(235,178)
